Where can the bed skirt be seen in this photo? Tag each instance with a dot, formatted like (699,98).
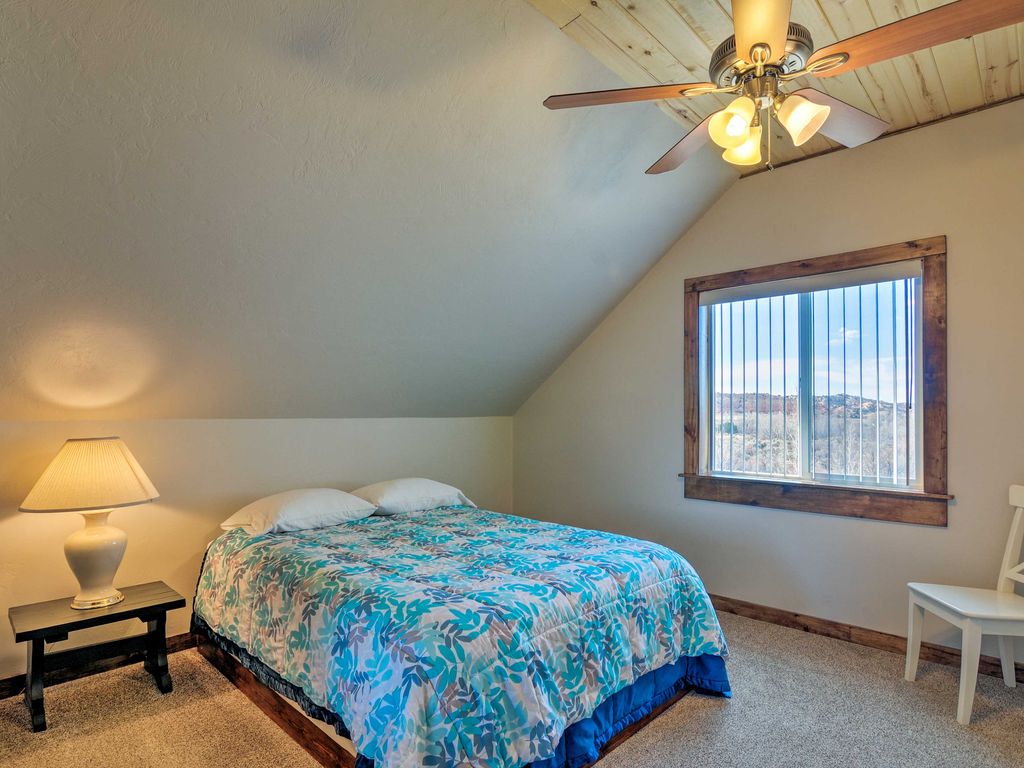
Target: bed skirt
(581,743)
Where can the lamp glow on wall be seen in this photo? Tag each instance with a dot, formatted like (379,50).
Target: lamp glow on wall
(92,476)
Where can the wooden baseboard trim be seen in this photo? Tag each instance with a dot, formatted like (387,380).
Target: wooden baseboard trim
(872,638)
(12,686)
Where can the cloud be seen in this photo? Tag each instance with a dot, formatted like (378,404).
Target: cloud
(844,336)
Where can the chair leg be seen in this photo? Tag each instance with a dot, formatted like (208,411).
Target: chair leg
(914,622)
(969,657)
(1006,657)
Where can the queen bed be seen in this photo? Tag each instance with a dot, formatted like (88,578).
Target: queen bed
(461,637)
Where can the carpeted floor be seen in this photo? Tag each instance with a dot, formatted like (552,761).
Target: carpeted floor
(800,700)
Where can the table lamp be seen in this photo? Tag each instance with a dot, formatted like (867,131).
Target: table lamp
(92,476)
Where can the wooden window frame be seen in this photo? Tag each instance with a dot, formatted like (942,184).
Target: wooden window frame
(927,506)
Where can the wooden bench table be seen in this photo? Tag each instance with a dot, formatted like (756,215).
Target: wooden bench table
(50,622)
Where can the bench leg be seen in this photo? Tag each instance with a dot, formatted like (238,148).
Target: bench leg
(969,657)
(34,685)
(1006,657)
(156,652)
(914,622)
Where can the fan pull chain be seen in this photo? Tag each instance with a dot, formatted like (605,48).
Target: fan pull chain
(768,163)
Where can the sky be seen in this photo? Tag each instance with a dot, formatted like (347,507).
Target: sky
(852,330)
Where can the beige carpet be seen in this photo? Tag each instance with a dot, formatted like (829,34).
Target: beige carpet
(800,700)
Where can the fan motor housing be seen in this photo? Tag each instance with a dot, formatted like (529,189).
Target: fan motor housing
(727,67)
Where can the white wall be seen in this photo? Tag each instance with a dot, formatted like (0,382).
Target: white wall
(205,470)
(312,208)
(600,443)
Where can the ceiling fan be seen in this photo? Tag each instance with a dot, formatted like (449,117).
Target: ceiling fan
(768,50)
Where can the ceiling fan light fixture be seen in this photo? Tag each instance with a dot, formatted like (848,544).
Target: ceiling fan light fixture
(801,117)
(729,128)
(761,23)
(747,153)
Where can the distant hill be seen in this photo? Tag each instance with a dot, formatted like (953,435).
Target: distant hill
(853,405)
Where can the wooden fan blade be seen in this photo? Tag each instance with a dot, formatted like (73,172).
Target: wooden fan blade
(684,149)
(846,124)
(623,95)
(761,21)
(963,18)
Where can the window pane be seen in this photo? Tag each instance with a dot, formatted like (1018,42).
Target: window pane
(755,380)
(854,421)
(863,397)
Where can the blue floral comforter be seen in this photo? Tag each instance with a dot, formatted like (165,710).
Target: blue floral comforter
(456,636)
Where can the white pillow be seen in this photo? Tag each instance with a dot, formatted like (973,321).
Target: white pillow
(410,494)
(299,510)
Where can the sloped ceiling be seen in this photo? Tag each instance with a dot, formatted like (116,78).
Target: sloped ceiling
(291,208)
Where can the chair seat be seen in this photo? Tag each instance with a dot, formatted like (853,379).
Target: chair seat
(973,602)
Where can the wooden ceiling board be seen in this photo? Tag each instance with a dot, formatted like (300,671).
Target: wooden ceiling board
(890,98)
(593,40)
(1020,47)
(999,62)
(918,71)
(846,87)
(649,42)
(709,20)
(624,29)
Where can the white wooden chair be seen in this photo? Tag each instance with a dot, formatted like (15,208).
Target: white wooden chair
(976,612)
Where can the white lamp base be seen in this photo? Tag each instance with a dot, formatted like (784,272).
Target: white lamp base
(94,554)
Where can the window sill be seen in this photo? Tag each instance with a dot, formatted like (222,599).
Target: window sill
(898,506)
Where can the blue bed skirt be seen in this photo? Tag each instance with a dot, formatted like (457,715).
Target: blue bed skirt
(580,744)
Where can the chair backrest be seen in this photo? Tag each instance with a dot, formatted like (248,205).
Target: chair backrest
(1012,569)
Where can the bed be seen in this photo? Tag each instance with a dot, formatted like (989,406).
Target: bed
(462,637)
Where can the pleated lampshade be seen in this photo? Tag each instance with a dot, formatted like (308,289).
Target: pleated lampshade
(89,474)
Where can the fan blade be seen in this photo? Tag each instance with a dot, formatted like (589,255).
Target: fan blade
(845,124)
(761,21)
(623,95)
(963,18)
(684,149)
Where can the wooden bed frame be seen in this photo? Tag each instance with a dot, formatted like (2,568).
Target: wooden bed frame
(322,747)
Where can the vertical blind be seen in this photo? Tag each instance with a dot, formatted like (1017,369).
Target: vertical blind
(816,378)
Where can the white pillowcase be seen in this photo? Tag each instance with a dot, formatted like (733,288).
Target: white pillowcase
(299,510)
(410,494)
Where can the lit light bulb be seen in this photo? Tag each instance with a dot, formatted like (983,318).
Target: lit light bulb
(737,126)
(747,153)
(728,127)
(802,118)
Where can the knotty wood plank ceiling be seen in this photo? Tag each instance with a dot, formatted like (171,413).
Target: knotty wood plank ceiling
(647,42)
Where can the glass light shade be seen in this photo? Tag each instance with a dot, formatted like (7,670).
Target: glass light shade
(729,127)
(757,21)
(747,153)
(92,473)
(802,118)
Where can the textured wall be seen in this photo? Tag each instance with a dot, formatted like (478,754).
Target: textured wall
(207,469)
(600,443)
(255,208)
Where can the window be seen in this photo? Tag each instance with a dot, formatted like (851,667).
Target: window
(820,385)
